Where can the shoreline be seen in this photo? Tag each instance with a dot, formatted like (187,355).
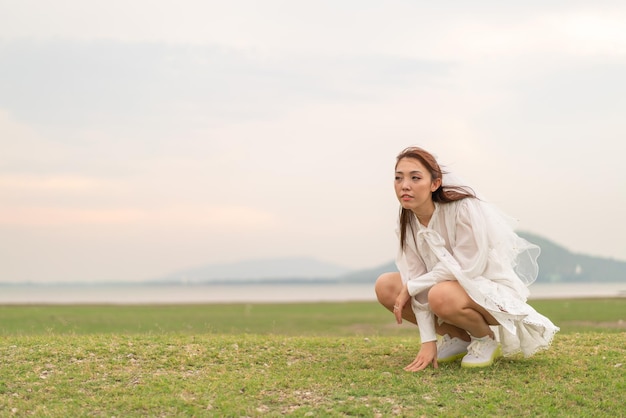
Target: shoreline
(137,293)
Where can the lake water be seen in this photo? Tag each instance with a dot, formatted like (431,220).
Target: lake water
(254,293)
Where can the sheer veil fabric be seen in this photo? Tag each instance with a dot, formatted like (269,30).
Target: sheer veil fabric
(473,242)
(510,247)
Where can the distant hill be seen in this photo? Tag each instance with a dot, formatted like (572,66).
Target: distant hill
(276,269)
(556,265)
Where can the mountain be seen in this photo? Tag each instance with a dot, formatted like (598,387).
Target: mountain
(367,275)
(277,269)
(556,265)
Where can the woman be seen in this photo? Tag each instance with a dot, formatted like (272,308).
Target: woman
(462,268)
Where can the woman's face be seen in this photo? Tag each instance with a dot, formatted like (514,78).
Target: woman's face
(414,185)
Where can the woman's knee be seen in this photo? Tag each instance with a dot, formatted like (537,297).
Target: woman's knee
(387,287)
(444,299)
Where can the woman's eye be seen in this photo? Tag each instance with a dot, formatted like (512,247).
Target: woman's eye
(397,178)
(415,178)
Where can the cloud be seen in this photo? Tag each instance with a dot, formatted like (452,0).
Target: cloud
(209,129)
(159,86)
(29,183)
(566,32)
(217,218)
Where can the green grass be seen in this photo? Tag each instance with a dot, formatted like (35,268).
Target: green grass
(302,319)
(328,359)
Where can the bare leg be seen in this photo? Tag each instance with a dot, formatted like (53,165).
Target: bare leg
(388,288)
(450,302)
(452,331)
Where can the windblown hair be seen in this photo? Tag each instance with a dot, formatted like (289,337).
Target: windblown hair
(443,194)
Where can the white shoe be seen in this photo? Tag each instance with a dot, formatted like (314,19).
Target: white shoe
(481,352)
(450,349)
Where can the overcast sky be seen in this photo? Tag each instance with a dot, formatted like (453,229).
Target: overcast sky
(138,138)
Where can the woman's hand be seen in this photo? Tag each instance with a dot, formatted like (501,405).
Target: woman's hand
(428,351)
(426,356)
(401,300)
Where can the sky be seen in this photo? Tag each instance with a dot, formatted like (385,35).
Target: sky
(139,138)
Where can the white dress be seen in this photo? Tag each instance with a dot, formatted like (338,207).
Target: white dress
(471,242)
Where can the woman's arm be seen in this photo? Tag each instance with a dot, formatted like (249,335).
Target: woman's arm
(414,276)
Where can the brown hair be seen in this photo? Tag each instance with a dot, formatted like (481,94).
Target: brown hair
(443,194)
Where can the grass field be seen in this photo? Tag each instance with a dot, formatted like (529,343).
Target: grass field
(324,359)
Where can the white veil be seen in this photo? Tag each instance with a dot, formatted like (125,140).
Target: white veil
(503,240)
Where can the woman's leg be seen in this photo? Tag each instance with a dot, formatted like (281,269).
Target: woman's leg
(388,287)
(450,302)
(451,330)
